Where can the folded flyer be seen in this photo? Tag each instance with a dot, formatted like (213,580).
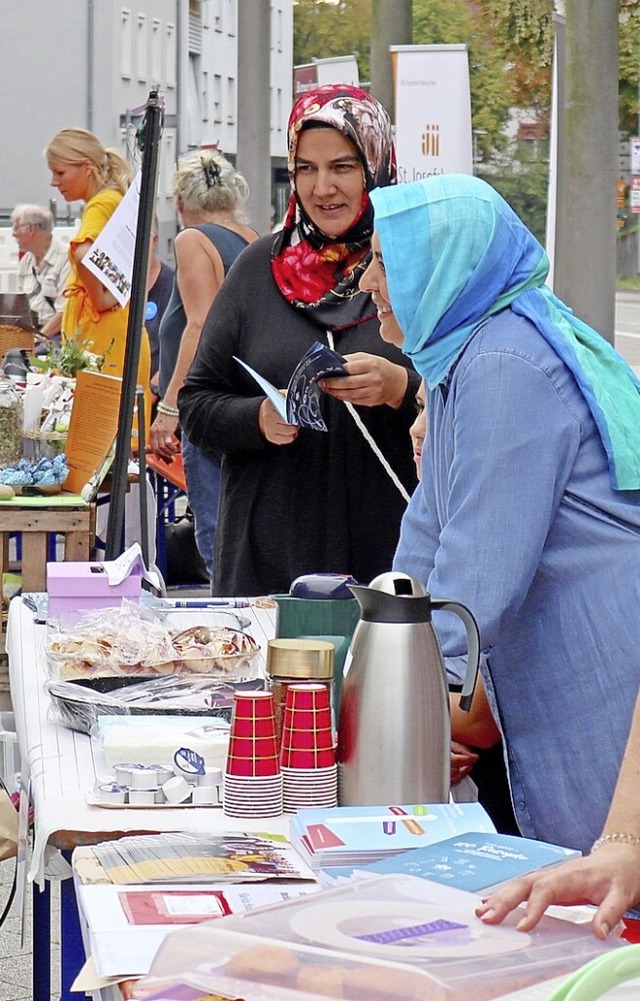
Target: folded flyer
(301,405)
(189,857)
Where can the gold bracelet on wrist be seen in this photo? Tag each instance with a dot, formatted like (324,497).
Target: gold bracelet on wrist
(616,838)
(167,411)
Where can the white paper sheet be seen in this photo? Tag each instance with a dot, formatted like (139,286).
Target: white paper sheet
(122,949)
(110,258)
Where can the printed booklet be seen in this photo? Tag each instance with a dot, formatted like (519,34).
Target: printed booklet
(358,835)
(472,861)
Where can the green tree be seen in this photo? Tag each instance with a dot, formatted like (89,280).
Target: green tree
(629,66)
(510,45)
(446,22)
(323,29)
(525,189)
(523,32)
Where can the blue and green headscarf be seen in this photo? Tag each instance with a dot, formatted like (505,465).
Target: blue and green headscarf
(455,253)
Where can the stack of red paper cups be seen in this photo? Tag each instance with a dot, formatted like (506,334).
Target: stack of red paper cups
(252,785)
(307,752)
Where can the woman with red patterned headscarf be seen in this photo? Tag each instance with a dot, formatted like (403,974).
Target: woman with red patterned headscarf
(296,500)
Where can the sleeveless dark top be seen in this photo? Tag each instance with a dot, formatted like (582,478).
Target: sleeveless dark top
(228,244)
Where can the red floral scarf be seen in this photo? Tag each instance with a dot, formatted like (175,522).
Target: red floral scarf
(314,272)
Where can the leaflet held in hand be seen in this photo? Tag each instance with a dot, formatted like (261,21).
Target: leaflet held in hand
(301,405)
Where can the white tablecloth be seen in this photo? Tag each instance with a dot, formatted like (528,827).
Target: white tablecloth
(61,761)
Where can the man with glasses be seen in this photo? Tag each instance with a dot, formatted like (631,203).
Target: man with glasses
(44,265)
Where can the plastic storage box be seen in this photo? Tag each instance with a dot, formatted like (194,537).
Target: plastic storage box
(74,588)
(374,939)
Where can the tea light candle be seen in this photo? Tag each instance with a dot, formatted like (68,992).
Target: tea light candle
(176,789)
(123,773)
(211,777)
(205,796)
(111,792)
(142,797)
(143,777)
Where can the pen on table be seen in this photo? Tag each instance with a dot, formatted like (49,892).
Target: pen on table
(221,603)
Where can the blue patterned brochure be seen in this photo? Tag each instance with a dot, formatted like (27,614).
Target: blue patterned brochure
(301,405)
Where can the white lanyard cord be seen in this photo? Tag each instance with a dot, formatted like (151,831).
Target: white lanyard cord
(369,439)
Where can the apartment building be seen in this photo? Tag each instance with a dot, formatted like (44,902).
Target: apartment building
(93,63)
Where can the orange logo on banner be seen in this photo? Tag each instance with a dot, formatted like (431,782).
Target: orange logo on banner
(430,144)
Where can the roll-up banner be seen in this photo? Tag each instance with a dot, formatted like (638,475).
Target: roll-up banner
(433,110)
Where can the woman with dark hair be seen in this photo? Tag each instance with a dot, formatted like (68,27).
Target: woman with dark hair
(296,500)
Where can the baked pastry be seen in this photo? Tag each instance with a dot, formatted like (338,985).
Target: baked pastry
(264,962)
(379,983)
(321,979)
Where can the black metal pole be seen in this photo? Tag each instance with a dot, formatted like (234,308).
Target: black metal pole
(142,478)
(148,180)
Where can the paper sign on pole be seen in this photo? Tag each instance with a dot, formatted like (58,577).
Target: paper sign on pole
(433,110)
(338,69)
(111,256)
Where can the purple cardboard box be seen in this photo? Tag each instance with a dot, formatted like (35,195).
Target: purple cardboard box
(74,588)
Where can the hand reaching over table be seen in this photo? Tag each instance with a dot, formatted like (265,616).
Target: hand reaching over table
(610,879)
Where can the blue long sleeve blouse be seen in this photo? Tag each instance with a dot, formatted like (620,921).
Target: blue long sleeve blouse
(515,517)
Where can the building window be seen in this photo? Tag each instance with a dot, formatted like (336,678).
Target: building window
(231,17)
(216,13)
(277,41)
(141,47)
(205,96)
(156,50)
(195,27)
(125,42)
(231,100)
(170,75)
(167,163)
(217,97)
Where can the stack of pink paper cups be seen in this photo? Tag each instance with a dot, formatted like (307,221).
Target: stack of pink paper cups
(307,752)
(252,785)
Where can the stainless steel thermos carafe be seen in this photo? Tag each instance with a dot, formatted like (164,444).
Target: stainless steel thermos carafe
(394,730)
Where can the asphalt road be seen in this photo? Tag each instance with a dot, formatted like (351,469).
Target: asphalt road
(627,326)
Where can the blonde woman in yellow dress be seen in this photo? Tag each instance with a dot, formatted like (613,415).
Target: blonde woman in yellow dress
(83,170)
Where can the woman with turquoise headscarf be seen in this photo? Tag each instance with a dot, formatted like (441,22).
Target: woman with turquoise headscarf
(528,510)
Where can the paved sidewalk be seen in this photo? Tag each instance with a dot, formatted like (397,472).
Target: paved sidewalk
(15,961)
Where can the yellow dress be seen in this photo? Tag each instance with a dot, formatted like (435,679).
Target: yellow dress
(80,319)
